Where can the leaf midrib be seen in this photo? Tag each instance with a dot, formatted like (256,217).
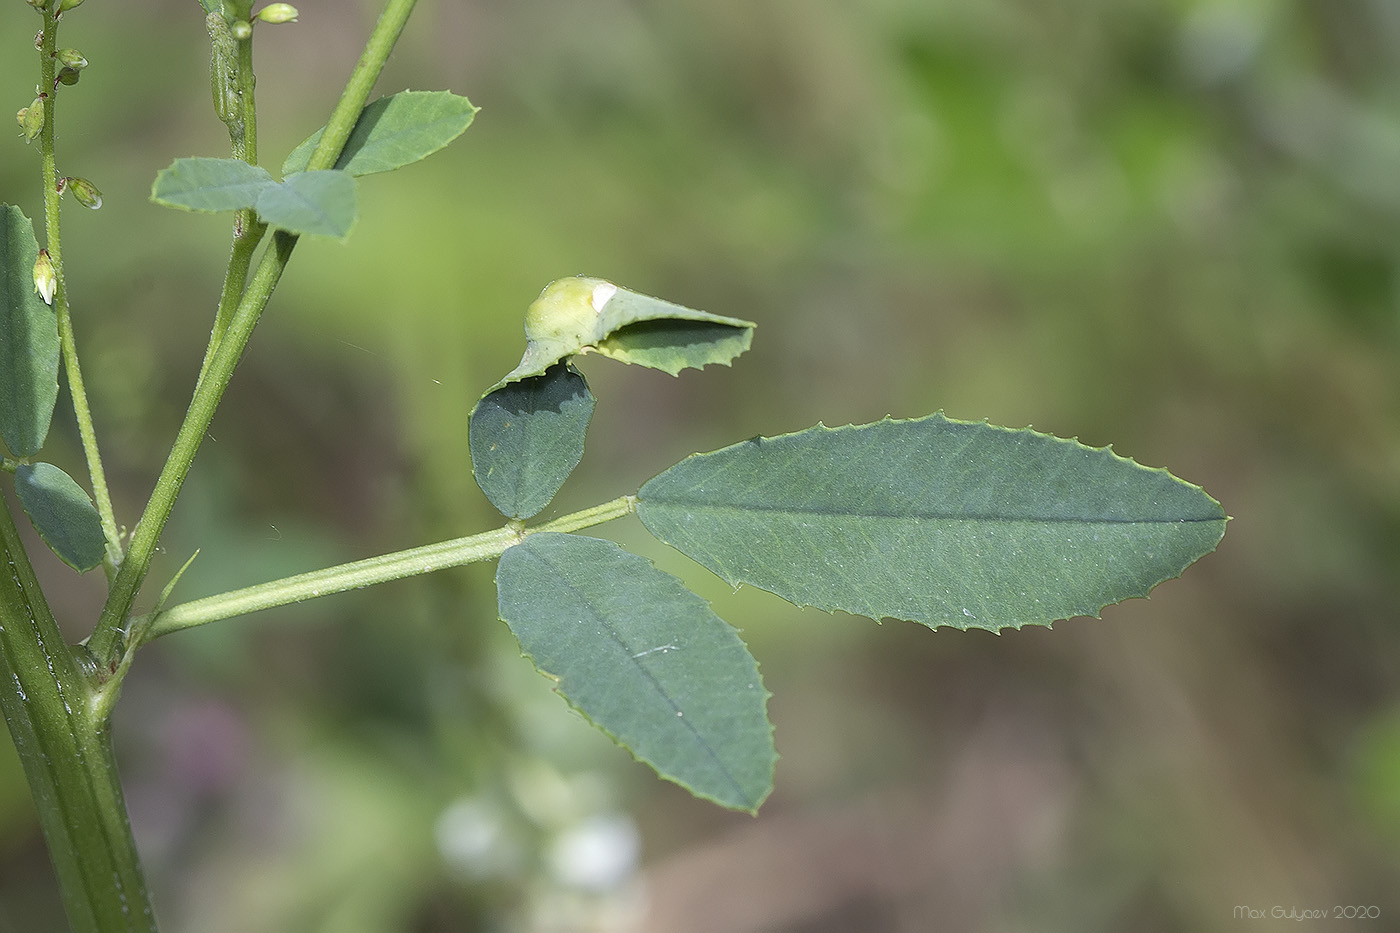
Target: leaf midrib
(920,516)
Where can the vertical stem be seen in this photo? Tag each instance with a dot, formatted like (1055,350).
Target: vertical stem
(54,244)
(240,113)
(105,642)
(67,756)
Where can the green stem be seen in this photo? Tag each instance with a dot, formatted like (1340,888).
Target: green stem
(339,579)
(105,641)
(241,116)
(67,342)
(67,756)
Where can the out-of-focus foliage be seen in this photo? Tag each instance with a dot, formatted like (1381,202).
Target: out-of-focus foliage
(1167,225)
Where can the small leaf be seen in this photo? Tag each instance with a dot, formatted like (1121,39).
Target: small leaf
(28,340)
(579,314)
(527,437)
(62,513)
(394,131)
(210,185)
(933,520)
(645,660)
(322,203)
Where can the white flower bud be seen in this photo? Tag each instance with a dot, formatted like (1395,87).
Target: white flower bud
(278,13)
(45,279)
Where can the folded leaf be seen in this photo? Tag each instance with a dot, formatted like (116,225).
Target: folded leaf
(526,438)
(645,660)
(580,314)
(933,520)
(28,340)
(210,185)
(322,203)
(62,513)
(394,131)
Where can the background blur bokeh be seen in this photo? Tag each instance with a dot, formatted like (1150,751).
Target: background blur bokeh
(1165,224)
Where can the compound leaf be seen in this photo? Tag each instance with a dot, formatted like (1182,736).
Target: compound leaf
(526,438)
(933,520)
(210,185)
(394,131)
(28,340)
(645,660)
(62,513)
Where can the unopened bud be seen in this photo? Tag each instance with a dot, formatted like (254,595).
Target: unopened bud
(86,192)
(241,30)
(278,13)
(68,75)
(71,58)
(65,5)
(31,119)
(45,280)
(39,4)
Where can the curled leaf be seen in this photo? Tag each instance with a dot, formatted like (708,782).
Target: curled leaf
(582,314)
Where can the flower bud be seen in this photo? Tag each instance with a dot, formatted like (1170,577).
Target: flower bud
(71,58)
(40,5)
(45,279)
(278,13)
(31,119)
(65,5)
(241,30)
(86,192)
(68,75)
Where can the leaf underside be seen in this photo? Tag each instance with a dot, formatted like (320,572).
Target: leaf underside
(933,520)
(62,513)
(526,438)
(29,347)
(645,660)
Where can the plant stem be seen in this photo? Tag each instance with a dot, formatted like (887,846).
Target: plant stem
(67,756)
(248,230)
(54,244)
(105,641)
(426,559)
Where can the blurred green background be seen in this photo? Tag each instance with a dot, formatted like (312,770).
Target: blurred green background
(1169,225)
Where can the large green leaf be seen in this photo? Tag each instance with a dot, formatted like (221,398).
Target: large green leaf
(63,514)
(581,314)
(933,520)
(394,131)
(645,660)
(322,203)
(28,340)
(526,438)
(210,185)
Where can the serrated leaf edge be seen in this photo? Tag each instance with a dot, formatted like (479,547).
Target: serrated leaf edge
(1017,626)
